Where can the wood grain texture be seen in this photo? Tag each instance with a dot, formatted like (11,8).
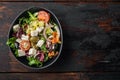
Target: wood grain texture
(40,0)
(62,0)
(91,34)
(61,76)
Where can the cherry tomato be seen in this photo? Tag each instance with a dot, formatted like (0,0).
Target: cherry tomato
(44,16)
(24,45)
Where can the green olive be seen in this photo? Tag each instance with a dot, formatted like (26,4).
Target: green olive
(34,39)
(34,45)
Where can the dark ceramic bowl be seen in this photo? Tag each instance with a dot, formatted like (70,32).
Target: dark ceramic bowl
(23,60)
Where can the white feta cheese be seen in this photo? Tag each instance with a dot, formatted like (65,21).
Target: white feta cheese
(24,37)
(34,33)
(32,51)
(40,43)
(18,40)
(21,53)
(16,27)
(39,29)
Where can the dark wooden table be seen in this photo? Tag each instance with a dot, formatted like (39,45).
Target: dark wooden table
(91,32)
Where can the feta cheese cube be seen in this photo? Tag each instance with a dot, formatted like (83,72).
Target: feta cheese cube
(18,40)
(21,53)
(40,43)
(24,37)
(39,29)
(34,33)
(16,27)
(32,51)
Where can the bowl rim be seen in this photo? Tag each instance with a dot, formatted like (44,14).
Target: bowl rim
(61,33)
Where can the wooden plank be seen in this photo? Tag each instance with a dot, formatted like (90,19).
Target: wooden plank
(61,76)
(40,76)
(39,1)
(64,1)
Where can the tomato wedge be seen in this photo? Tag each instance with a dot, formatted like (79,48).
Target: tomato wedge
(44,16)
(24,45)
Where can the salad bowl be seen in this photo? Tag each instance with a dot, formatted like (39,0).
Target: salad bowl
(35,38)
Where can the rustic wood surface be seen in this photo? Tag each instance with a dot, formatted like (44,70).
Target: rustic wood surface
(61,76)
(91,36)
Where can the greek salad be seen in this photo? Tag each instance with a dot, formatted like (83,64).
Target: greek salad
(35,37)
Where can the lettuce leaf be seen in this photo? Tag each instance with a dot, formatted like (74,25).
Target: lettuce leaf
(11,42)
(34,61)
(43,48)
(32,16)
